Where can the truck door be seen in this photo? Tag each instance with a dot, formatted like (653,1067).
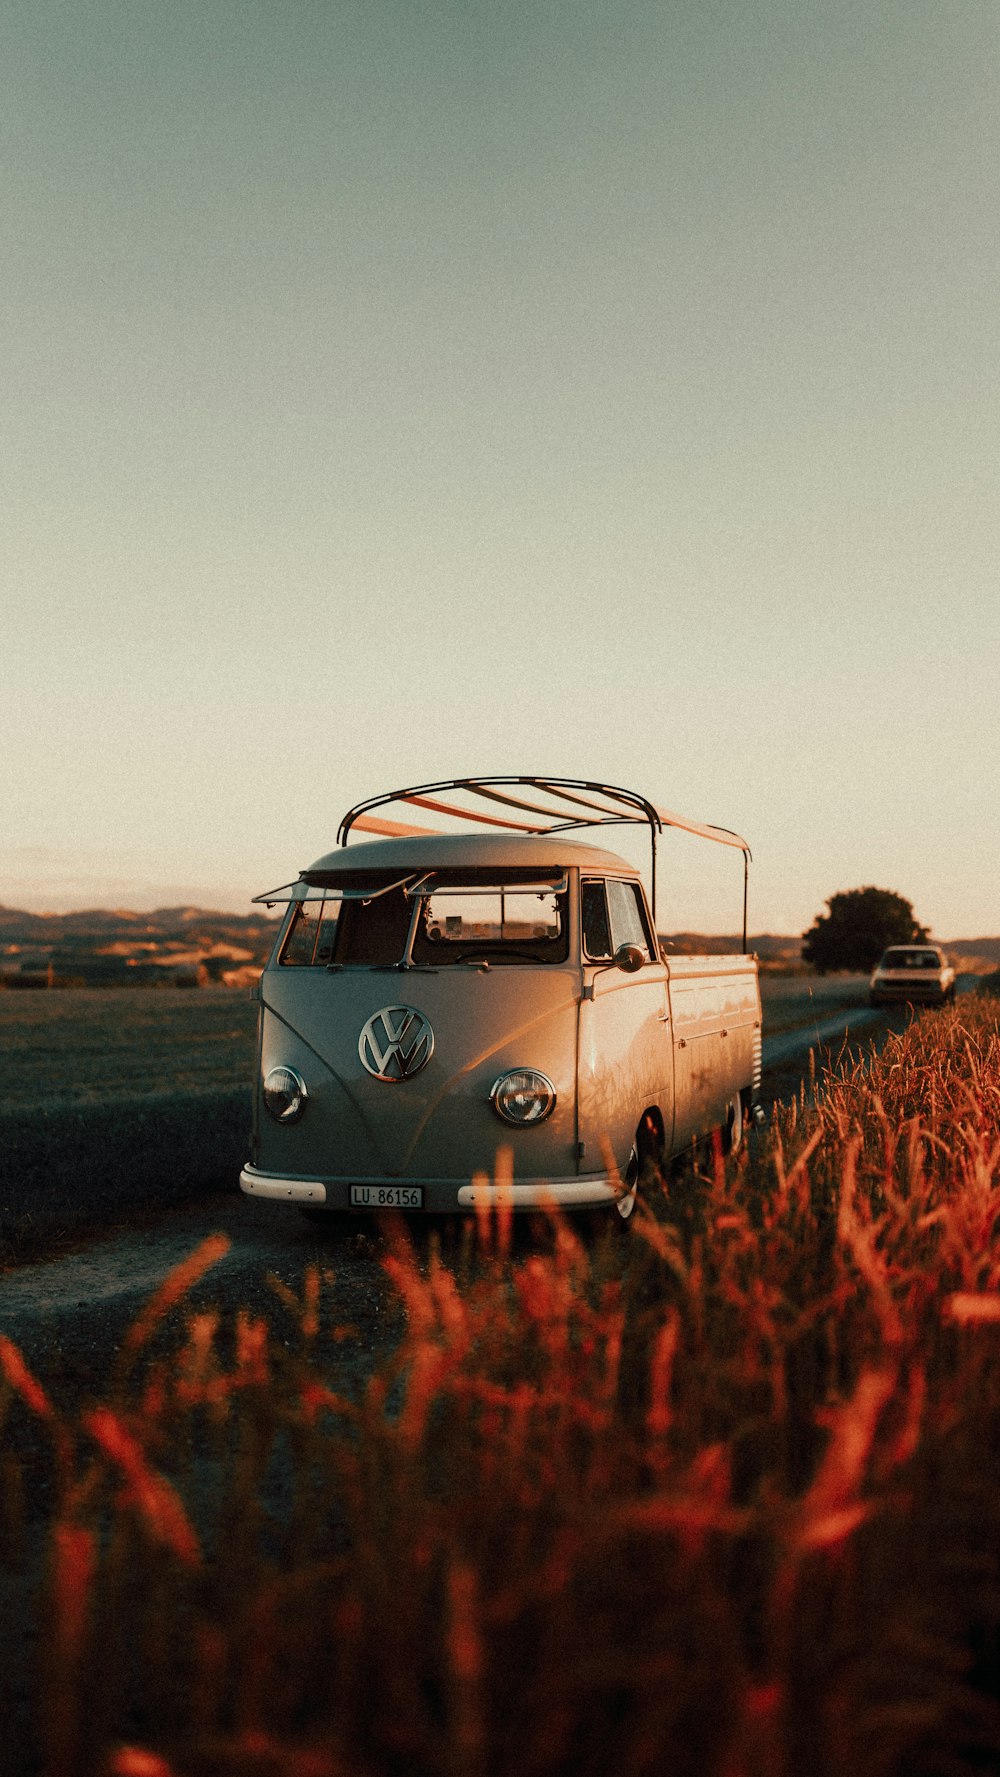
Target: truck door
(625,1053)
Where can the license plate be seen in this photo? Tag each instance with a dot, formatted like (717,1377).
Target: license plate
(387,1197)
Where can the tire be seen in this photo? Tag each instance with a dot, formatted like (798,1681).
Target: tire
(644,1153)
(734,1127)
(625,1204)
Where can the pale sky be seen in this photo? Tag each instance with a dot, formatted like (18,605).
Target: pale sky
(397,389)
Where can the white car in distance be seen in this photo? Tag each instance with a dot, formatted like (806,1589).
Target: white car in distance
(912,974)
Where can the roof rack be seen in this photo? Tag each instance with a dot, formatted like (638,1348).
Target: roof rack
(569,803)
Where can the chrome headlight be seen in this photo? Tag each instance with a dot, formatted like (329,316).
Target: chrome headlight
(285,1094)
(523,1096)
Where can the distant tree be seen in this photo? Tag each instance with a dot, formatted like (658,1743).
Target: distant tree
(859,925)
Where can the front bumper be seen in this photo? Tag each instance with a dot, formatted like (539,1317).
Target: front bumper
(441,1196)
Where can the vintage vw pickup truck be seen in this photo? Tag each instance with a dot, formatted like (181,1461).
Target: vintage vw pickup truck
(436,995)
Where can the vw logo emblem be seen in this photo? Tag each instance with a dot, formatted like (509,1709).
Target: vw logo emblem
(396,1043)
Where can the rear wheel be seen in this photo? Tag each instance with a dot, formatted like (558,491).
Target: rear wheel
(732,1128)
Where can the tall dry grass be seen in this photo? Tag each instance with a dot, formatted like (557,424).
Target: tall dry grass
(726,1507)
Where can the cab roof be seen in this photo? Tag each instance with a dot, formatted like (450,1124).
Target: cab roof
(491,851)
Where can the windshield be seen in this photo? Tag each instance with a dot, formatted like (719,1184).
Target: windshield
(910,959)
(507,923)
(428,922)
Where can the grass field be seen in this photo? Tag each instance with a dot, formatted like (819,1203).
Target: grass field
(77,1046)
(117,1099)
(720,1501)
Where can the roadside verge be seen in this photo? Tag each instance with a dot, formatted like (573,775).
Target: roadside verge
(68,1164)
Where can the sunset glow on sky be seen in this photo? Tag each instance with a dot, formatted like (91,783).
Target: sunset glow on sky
(398,390)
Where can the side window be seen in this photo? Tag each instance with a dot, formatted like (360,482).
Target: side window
(628,917)
(309,943)
(595,921)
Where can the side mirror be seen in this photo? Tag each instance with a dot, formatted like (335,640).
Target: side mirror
(629,958)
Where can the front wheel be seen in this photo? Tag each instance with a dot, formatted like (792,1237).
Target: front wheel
(625,1204)
(645,1156)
